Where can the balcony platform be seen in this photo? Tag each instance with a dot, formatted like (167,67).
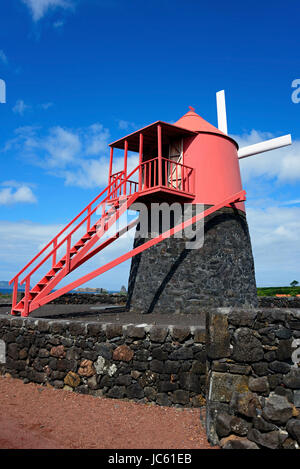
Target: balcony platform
(164,194)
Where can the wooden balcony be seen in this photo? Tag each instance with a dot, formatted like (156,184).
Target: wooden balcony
(156,180)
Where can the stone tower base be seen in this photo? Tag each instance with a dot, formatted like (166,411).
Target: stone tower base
(170,278)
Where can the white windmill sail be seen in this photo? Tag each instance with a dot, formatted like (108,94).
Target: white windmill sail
(221,111)
(267,145)
(250,150)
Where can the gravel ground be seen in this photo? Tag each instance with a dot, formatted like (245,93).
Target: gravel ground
(110,313)
(38,417)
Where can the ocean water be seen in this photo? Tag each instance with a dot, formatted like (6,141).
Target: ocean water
(8,291)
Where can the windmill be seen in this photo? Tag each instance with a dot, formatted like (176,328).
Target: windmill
(182,285)
(189,162)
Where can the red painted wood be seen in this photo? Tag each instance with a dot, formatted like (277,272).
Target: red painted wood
(159,154)
(125,160)
(140,160)
(110,165)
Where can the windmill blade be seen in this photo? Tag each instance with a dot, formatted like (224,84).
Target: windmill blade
(267,145)
(221,111)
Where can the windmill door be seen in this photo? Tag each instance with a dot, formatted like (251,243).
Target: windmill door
(174,166)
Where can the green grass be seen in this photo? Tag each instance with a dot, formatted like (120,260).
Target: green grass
(272,291)
(4,297)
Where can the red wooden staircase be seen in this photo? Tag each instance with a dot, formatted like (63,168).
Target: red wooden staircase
(114,203)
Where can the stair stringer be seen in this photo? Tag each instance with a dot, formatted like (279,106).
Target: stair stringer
(77,259)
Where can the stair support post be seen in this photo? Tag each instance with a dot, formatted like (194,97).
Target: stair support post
(15,293)
(125,165)
(140,161)
(89,218)
(110,169)
(159,154)
(68,254)
(25,312)
(54,252)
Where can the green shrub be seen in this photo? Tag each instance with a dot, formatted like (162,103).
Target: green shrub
(272,291)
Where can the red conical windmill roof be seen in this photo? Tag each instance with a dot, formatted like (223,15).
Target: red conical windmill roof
(192,121)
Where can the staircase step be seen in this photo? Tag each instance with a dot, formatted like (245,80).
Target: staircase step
(34,293)
(37,287)
(79,244)
(54,270)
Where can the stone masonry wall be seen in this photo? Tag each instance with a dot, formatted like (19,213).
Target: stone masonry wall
(163,365)
(253,386)
(170,278)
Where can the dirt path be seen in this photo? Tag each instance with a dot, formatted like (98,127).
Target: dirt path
(37,417)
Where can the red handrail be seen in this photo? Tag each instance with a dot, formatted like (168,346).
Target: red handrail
(175,176)
(69,235)
(59,234)
(117,174)
(177,162)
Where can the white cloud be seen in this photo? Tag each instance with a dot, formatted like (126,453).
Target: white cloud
(3,57)
(20,107)
(60,147)
(46,106)
(14,192)
(58,24)
(80,157)
(275,235)
(282,165)
(96,139)
(125,125)
(19,242)
(94,172)
(274,226)
(40,8)
(291,202)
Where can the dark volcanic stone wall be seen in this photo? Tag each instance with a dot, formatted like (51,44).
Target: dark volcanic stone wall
(274,302)
(163,365)
(90,298)
(170,278)
(253,394)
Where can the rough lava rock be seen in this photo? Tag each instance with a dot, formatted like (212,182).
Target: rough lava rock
(123,353)
(277,409)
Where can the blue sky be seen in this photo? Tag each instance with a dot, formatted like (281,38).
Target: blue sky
(82,73)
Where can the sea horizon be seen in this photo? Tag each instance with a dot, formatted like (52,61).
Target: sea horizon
(6,291)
